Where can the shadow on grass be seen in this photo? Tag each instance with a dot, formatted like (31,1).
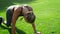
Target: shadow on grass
(5,3)
(17,30)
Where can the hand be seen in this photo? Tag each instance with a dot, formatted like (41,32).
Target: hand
(38,32)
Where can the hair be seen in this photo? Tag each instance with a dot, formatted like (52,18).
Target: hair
(28,14)
(30,18)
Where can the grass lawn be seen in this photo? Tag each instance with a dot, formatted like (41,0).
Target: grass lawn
(47,16)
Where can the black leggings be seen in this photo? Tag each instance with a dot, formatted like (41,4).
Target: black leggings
(1,20)
(9,17)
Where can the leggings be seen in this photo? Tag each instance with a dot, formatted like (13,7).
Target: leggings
(9,17)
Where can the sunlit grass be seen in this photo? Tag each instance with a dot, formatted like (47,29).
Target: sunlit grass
(47,17)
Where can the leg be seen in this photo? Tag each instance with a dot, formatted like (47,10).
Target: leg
(9,17)
(1,20)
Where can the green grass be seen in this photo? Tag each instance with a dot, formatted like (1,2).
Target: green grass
(47,16)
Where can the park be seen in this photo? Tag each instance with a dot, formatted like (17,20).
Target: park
(47,14)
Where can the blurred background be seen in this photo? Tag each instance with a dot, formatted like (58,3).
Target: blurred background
(47,16)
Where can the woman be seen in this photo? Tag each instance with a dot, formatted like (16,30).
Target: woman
(14,11)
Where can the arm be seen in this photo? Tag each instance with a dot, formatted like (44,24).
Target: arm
(14,18)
